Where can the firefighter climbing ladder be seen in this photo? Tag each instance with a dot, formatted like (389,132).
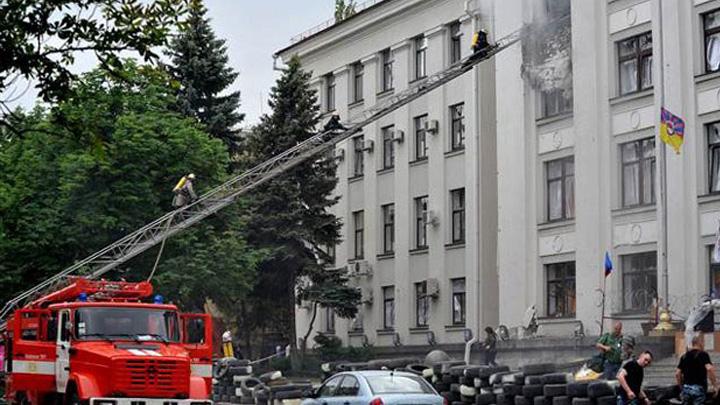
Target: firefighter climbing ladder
(173,222)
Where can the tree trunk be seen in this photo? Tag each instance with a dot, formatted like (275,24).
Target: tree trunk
(310,328)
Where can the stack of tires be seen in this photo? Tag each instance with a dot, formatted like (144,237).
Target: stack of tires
(467,384)
(234,383)
(228,375)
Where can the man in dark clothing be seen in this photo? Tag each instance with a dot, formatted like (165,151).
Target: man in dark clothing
(693,371)
(490,346)
(631,378)
(334,124)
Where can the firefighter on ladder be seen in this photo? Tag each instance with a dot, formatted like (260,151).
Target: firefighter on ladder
(480,46)
(184,191)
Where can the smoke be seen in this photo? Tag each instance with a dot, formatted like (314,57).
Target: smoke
(547,47)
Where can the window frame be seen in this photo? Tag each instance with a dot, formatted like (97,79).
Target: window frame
(706,34)
(422,305)
(421,210)
(358,73)
(388,146)
(564,176)
(563,280)
(457,127)
(329,321)
(421,146)
(455,34)
(330,102)
(639,55)
(562,104)
(462,297)
(626,274)
(421,45)
(712,147)
(358,156)
(358,234)
(641,159)
(387,69)
(388,299)
(457,214)
(388,216)
(340,390)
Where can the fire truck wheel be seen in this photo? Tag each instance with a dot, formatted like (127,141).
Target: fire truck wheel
(72,397)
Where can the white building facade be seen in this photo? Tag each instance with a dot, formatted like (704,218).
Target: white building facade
(491,195)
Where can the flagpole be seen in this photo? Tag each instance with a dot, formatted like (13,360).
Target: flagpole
(661,195)
(602,314)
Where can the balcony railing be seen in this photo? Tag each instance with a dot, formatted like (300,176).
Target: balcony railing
(330,22)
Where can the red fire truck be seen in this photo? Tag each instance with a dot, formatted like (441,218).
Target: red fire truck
(103,343)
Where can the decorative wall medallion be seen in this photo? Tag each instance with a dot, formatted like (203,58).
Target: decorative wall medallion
(635,233)
(631,16)
(557,243)
(635,119)
(557,140)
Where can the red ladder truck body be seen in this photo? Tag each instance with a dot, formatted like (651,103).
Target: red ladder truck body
(102,343)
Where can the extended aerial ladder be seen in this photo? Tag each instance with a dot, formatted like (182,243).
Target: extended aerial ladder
(154,233)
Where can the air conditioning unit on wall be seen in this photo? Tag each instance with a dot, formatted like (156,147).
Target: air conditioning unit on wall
(368,146)
(433,287)
(360,268)
(339,155)
(398,136)
(432,126)
(431,218)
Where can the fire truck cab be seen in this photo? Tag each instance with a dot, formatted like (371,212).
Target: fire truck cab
(98,343)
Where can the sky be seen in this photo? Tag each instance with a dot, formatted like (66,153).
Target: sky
(253,30)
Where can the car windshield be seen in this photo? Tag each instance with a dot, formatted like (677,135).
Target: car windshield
(398,384)
(139,324)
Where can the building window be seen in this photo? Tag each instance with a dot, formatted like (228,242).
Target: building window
(358,157)
(561,289)
(455,43)
(713,131)
(560,176)
(420,57)
(359,225)
(422,304)
(389,307)
(711,24)
(330,92)
(388,147)
(639,281)
(329,320)
(638,172)
(458,301)
(388,213)
(421,147)
(387,72)
(457,198)
(358,71)
(635,63)
(421,212)
(457,127)
(357,322)
(555,102)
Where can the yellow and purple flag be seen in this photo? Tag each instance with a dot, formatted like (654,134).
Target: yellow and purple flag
(672,129)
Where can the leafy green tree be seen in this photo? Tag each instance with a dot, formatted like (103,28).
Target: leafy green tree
(344,10)
(200,65)
(39,40)
(64,197)
(290,214)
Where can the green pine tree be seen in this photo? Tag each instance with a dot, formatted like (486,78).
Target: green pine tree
(343,10)
(200,65)
(290,214)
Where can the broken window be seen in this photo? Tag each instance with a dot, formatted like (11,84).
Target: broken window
(330,92)
(711,23)
(358,72)
(421,213)
(635,63)
(387,73)
(388,213)
(457,127)
(561,289)
(639,281)
(554,102)
(388,307)
(458,301)
(359,224)
(421,148)
(457,201)
(358,158)
(420,57)
(455,42)
(388,147)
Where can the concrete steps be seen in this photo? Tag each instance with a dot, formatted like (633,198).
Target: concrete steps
(662,372)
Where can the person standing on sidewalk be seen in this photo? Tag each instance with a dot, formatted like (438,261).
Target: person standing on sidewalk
(693,372)
(610,344)
(631,377)
(490,345)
